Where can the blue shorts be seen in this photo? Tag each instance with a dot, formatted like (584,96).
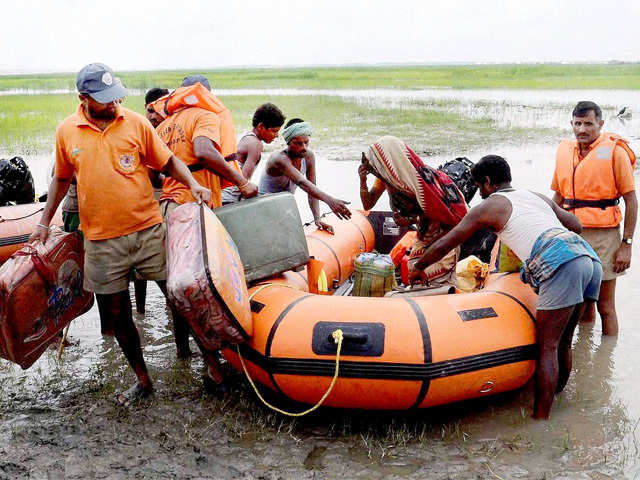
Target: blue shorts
(572,283)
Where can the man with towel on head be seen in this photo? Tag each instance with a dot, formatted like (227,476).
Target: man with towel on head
(418,195)
(296,166)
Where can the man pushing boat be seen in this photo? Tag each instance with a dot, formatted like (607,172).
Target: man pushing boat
(110,149)
(559,263)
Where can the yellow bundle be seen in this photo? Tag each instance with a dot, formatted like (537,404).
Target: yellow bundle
(470,273)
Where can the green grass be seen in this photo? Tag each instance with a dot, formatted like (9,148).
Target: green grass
(624,76)
(28,122)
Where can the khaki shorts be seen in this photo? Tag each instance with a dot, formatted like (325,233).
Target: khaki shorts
(108,263)
(167,206)
(605,241)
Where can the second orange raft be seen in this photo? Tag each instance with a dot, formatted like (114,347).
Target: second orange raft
(398,353)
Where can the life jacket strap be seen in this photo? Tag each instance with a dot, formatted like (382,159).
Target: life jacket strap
(571,203)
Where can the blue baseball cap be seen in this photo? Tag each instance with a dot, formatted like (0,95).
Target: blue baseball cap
(100,83)
(193,79)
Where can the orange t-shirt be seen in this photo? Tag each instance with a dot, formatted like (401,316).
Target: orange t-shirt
(115,196)
(622,171)
(179,131)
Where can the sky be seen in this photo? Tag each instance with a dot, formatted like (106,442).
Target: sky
(64,35)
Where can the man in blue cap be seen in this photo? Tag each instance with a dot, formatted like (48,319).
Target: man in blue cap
(110,149)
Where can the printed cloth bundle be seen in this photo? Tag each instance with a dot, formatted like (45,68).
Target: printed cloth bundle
(399,166)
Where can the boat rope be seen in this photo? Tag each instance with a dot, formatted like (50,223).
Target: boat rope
(63,340)
(2,219)
(338,337)
(267,285)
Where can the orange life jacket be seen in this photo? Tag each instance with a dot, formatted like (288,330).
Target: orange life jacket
(198,96)
(588,186)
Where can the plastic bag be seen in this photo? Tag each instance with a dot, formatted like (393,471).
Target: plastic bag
(471,273)
(507,260)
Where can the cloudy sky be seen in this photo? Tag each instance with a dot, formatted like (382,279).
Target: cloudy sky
(64,35)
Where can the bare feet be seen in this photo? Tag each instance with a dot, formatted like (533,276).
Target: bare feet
(135,393)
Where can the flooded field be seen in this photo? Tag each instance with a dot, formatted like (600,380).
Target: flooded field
(57,420)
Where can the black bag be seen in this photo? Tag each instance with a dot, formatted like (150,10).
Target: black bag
(16,182)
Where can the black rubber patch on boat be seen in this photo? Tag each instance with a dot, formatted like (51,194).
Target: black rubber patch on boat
(256,307)
(359,339)
(477,313)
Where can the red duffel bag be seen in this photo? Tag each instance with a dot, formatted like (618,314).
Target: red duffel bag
(40,293)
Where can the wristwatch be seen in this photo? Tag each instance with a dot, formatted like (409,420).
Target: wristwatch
(628,241)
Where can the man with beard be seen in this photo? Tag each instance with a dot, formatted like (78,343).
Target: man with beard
(296,166)
(110,149)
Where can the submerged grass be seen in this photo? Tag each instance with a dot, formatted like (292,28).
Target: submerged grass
(626,76)
(28,122)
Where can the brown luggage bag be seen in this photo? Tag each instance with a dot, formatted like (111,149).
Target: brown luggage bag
(40,293)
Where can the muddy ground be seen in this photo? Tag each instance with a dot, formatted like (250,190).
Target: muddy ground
(62,423)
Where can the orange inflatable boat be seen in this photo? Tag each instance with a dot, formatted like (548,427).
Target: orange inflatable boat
(397,352)
(17,223)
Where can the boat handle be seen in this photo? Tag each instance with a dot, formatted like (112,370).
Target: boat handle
(487,387)
(352,338)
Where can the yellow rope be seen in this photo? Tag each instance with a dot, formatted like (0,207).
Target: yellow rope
(267,285)
(337,337)
(62,341)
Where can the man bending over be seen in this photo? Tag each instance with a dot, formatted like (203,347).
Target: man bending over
(559,263)
(296,166)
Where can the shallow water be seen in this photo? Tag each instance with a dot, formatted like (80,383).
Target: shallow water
(57,416)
